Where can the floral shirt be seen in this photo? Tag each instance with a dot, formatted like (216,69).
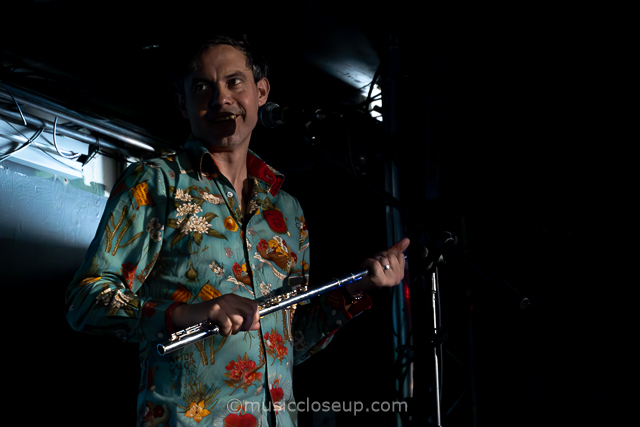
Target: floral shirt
(173,233)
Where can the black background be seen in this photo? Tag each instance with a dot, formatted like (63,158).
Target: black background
(525,110)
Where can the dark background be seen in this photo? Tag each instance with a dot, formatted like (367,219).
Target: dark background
(509,133)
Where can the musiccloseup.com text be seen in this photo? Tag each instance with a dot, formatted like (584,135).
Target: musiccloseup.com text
(354,407)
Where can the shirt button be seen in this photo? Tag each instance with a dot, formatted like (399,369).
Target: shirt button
(160,335)
(229,194)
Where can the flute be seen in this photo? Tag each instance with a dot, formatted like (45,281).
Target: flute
(298,293)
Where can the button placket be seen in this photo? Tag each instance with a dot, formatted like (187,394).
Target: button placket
(229,197)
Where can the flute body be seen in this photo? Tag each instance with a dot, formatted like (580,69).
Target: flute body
(300,293)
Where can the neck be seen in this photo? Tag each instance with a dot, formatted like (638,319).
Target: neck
(233,165)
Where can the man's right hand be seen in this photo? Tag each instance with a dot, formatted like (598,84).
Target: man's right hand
(232,314)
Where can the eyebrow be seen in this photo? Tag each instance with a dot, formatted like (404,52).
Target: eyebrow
(236,74)
(197,77)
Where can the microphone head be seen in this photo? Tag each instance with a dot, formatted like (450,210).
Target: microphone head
(267,117)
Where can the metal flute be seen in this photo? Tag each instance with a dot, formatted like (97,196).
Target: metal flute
(299,293)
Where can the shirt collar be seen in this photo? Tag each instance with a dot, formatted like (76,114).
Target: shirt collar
(204,165)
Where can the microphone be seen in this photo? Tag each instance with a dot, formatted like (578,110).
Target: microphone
(271,115)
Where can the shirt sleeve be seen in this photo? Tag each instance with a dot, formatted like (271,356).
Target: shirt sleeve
(106,295)
(315,323)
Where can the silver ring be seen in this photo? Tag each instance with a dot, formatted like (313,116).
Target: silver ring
(387,267)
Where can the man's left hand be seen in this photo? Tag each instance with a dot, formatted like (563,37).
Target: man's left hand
(386,269)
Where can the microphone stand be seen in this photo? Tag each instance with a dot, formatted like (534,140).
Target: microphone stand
(437,344)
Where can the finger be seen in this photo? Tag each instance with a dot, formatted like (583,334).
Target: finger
(399,247)
(392,261)
(397,260)
(403,244)
(371,264)
(238,324)
(385,262)
(250,316)
(232,314)
(256,320)
(224,326)
(390,266)
(381,264)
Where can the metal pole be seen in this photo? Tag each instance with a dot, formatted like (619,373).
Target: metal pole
(401,303)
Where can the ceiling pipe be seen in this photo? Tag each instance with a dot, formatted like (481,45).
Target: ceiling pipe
(38,123)
(133,139)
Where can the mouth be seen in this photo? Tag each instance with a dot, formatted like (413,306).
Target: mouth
(225,118)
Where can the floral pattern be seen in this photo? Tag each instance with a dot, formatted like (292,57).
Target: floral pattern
(156,415)
(277,250)
(173,234)
(197,411)
(274,346)
(242,374)
(199,401)
(240,272)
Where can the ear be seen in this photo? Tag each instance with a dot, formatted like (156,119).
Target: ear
(263,91)
(181,104)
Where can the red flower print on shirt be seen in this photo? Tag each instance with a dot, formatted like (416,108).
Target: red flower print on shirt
(241,273)
(277,251)
(274,347)
(242,373)
(129,273)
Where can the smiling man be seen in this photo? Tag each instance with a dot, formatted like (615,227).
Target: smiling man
(220,98)
(200,236)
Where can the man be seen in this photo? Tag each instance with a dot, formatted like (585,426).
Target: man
(200,236)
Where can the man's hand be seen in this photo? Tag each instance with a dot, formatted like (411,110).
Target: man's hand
(232,314)
(386,269)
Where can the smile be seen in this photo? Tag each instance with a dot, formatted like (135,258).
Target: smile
(226,118)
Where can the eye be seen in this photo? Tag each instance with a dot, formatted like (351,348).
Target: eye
(235,81)
(199,87)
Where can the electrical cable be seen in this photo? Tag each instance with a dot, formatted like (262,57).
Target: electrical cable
(74,155)
(30,141)
(24,121)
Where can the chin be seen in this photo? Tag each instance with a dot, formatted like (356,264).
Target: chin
(215,137)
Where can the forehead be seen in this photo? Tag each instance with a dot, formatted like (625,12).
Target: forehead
(220,57)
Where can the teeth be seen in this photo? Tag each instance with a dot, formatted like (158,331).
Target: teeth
(225,118)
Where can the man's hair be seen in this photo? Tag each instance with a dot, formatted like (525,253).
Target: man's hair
(185,56)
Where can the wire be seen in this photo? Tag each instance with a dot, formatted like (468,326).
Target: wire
(13,127)
(30,141)
(74,155)
(24,121)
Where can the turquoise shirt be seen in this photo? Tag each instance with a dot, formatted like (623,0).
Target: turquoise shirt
(173,233)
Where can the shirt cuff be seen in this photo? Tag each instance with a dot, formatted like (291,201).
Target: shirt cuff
(167,316)
(156,317)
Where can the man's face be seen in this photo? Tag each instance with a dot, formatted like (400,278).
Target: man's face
(221,99)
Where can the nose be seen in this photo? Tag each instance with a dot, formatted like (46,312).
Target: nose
(221,96)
